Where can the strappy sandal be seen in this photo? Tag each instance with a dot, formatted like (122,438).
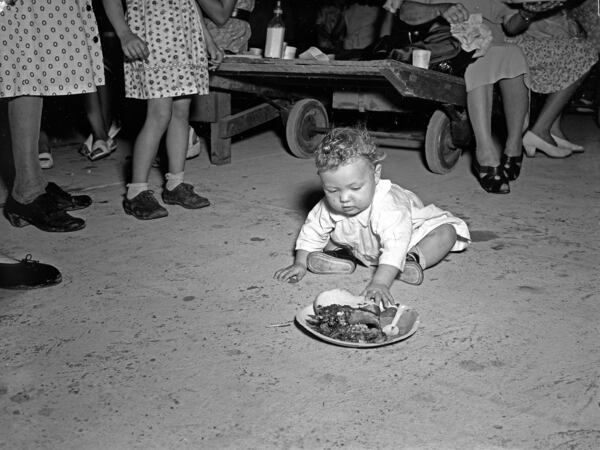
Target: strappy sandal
(492,179)
(511,165)
(95,150)
(46,160)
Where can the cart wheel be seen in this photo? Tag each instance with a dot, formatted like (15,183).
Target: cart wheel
(304,118)
(440,152)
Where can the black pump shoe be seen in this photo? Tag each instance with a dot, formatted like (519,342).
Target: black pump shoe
(43,213)
(511,165)
(28,274)
(492,179)
(66,201)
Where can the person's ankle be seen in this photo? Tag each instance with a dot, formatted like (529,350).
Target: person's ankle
(543,134)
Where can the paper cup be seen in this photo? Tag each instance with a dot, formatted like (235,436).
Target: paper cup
(420,58)
(255,51)
(289,53)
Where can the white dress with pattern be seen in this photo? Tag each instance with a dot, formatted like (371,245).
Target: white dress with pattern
(49,47)
(178,63)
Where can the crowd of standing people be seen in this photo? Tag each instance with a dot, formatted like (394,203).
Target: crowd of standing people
(168,49)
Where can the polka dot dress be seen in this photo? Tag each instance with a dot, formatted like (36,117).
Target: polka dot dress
(178,63)
(49,47)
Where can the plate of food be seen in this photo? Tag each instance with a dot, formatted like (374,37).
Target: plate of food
(341,318)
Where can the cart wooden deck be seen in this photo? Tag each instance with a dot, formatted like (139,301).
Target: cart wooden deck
(298,89)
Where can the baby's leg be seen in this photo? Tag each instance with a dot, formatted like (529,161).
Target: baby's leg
(435,245)
(158,115)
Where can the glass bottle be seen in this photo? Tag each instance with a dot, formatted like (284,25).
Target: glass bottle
(275,34)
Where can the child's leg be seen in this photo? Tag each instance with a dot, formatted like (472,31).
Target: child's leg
(435,245)
(105,105)
(93,110)
(139,201)
(176,192)
(158,115)
(178,133)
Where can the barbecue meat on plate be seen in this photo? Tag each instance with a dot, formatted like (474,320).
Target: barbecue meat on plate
(346,317)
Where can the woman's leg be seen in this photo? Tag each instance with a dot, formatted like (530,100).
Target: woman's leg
(515,98)
(490,175)
(435,245)
(25,115)
(158,115)
(552,109)
(479,104)
(177,134)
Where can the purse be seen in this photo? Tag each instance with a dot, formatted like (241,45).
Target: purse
(446,53)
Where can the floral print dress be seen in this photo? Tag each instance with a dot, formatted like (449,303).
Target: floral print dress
(178,62)
(556,58)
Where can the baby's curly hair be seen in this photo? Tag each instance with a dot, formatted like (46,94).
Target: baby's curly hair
(341,145)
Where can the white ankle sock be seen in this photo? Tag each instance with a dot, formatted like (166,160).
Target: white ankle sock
(173,180)
(134,189)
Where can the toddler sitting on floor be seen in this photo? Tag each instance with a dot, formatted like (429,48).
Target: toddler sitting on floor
(373,221)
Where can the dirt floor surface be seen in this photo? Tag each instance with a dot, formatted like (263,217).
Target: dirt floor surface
(173,334)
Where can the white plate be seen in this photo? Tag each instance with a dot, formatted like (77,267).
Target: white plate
(408,324)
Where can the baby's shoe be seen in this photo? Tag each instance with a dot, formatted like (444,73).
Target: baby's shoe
(184,195)
(331,262)
(413,272)
(144,206)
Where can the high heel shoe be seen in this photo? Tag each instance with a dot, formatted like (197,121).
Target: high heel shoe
(43,213)
(567,144)
(532,142)
(492,179)
(511,165)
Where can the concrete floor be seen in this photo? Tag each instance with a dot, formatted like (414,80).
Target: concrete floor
(163,334)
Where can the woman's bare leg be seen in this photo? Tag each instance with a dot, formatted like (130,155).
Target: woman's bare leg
(515,98)
(553,107)
(25,116)
(479,104)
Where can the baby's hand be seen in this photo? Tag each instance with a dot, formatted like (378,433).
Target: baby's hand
(291,274)
(134,48)
(379,293)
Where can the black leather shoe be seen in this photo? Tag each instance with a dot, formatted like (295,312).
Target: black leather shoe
(184,195)
(28,274)
(66,201)
(43,213)
(144,206)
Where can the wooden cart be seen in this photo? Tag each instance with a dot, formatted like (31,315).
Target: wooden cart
(303,92)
